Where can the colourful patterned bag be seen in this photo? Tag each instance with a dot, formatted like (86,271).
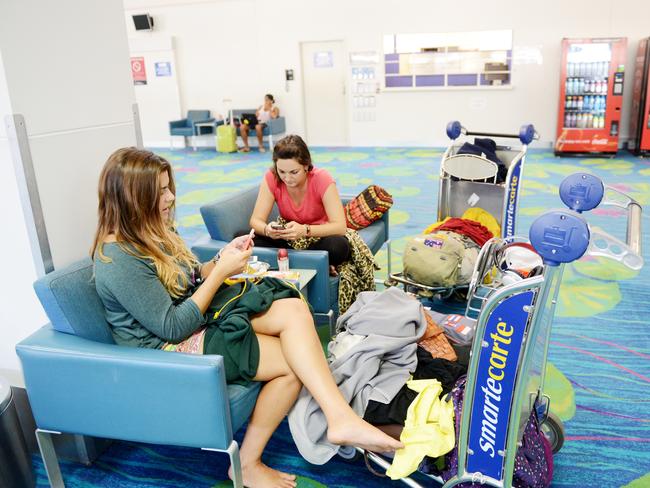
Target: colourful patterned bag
(367,207)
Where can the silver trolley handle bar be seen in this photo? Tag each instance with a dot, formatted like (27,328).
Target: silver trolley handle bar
(603,244)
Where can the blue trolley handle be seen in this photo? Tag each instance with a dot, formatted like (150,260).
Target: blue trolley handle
(527,132)
(582,192)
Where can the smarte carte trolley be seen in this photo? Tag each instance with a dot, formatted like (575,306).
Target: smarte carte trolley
(524,311)
(468,180)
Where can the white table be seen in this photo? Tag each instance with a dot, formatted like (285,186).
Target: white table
(198,125)
(306,275)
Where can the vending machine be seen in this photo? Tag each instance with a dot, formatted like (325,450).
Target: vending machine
(591,96)
(640,123)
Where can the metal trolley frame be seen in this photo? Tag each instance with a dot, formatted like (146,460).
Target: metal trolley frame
(505,379)
(454,195)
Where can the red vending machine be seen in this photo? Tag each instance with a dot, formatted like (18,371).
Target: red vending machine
(591,96)
(640,123)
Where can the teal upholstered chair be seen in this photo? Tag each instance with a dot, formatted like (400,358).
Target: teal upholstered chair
(230,214)
(79,381)
(187,127)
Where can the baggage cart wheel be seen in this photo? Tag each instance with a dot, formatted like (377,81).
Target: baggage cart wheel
(349,454)
(553,429)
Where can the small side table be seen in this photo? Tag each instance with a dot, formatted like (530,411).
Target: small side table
(199,132)
(306,275)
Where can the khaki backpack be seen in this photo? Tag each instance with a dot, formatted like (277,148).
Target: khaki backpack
(434,259)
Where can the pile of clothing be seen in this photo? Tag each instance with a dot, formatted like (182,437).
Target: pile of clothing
(394,361)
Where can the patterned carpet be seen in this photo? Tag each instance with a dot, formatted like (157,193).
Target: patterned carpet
(599,378)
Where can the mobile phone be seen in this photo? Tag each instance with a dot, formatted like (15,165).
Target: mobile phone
(249,239)
(278,226)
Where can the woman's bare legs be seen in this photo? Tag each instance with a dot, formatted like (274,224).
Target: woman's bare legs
(290,320)
(243,132)
(260,137)
(273,403)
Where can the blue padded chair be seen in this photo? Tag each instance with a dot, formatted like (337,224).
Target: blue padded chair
(79,381)
(225,217)
(274,127)
(187,127)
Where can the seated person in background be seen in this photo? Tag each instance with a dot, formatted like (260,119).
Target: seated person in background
(157,295)
(265,113)
(307,200)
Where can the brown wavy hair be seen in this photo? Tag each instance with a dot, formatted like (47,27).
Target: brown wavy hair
(129,195)
(291,147)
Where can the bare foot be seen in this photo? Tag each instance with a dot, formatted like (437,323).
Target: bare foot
(260,475)
(245,149)
(262,149)
(355,431)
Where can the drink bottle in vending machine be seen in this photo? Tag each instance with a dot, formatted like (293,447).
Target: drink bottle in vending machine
(591,96)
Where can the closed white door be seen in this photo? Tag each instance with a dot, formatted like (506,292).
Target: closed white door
(323,74)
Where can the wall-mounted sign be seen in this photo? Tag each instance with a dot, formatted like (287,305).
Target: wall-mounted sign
(163,68)
(323,59)
(138,72)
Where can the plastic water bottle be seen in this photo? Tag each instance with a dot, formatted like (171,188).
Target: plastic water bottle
(283,260)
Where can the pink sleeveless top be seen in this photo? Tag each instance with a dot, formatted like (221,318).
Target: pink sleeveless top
(311,210)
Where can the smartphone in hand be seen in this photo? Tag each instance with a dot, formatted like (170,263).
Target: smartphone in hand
(277,226)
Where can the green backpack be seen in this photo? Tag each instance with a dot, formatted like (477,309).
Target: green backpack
(434,259)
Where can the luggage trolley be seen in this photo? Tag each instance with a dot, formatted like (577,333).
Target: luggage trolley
(523,311)
(468,180)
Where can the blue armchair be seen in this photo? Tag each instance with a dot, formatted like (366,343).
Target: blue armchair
(187,127)
(274,127)
(79,381)
(224,217)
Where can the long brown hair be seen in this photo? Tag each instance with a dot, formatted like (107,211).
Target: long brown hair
(129,196)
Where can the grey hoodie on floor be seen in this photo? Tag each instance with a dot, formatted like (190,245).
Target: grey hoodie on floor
(374,369)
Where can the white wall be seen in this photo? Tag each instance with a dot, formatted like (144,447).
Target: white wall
(64,67)
(158,100)
(240,48)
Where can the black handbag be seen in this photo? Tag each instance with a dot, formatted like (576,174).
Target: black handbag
(249,119)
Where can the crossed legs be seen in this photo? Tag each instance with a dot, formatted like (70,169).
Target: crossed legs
(291,355)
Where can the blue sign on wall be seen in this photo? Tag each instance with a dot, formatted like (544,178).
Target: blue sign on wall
(495,381)
(510,209)
(163,68)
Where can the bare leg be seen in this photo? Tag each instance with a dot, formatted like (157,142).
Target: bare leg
(273,403)
(243,130)
(290,320)
(260,137)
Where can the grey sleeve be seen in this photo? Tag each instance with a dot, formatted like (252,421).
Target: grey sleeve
(136,286)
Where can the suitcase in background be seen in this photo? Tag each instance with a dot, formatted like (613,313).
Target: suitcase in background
(226,138)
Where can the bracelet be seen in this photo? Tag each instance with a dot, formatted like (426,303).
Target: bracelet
(307,230)
(217,257)
(266,234)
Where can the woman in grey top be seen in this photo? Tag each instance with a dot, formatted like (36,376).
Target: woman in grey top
(157,295)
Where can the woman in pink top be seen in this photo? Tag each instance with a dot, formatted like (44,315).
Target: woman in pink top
(307,199)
